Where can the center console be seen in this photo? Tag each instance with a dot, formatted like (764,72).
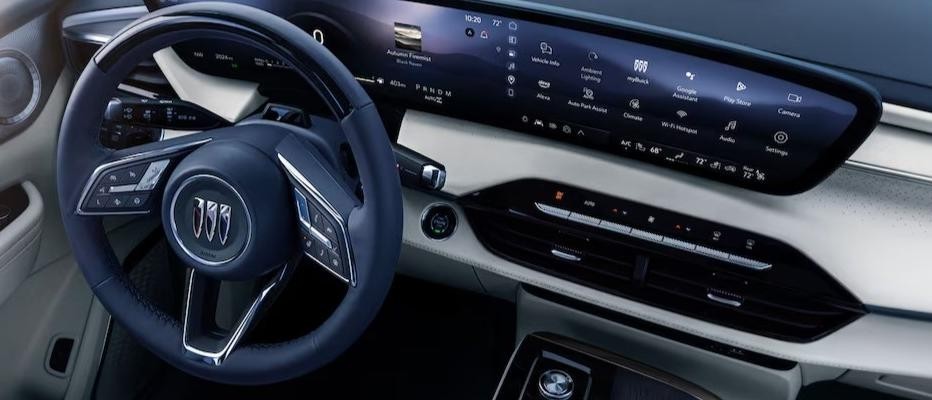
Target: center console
(550,367)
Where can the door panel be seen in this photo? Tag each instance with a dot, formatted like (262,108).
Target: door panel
(42,294)
(19,239)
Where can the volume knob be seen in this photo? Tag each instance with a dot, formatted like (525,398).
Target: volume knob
(555,385)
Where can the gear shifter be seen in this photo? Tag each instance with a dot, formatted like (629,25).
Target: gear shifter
(419,171)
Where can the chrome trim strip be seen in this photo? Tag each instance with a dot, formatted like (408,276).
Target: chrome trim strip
(217,358)
(319,198)
(127,160)
(198,217)
(210,230)
(584,219)
(648,236)
(564,255)
(888,172)
(123,188)
(223,227)
(327,268)
(552,211)
(713,253)
(747,262)
(678,243)
(722,300)
(652,237)
(210,218)
(622,229)
(320,236)
(902,117)
(905,117)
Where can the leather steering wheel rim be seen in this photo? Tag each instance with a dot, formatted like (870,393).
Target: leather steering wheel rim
(375,224)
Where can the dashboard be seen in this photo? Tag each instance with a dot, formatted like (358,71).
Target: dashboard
(731,114)
(539,204)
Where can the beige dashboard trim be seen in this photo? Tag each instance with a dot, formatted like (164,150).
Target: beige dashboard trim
(898,147)
(851,224)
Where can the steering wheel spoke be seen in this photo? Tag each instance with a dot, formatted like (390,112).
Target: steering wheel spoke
(323,203)
(217,314)
(130,181)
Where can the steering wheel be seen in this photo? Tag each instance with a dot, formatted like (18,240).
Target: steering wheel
(239,203)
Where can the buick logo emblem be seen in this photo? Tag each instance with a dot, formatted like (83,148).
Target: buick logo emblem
(211,219)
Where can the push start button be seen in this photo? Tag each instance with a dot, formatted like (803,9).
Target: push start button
(438,221)
(555,385)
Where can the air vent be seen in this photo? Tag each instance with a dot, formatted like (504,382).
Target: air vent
(794,300)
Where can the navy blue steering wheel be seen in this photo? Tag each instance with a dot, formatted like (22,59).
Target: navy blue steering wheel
(237,203)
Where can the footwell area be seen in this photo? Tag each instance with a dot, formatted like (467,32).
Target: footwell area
(428,342)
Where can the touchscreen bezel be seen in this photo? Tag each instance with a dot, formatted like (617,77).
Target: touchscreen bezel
(864,97)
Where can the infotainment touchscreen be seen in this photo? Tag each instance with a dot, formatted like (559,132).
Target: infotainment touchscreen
(731,114)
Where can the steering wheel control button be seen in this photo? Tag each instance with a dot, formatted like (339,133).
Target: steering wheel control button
(438,222)
(335,263)
(324,252)
(304,215)
(320,252)
(555,385)
(320,238)
(151,177)
(122,177)
(122,188)
(125,176)
(122,181)
(137,200)
(329,230)
(307,244)
(319,219)
(118,201)
(98,202)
